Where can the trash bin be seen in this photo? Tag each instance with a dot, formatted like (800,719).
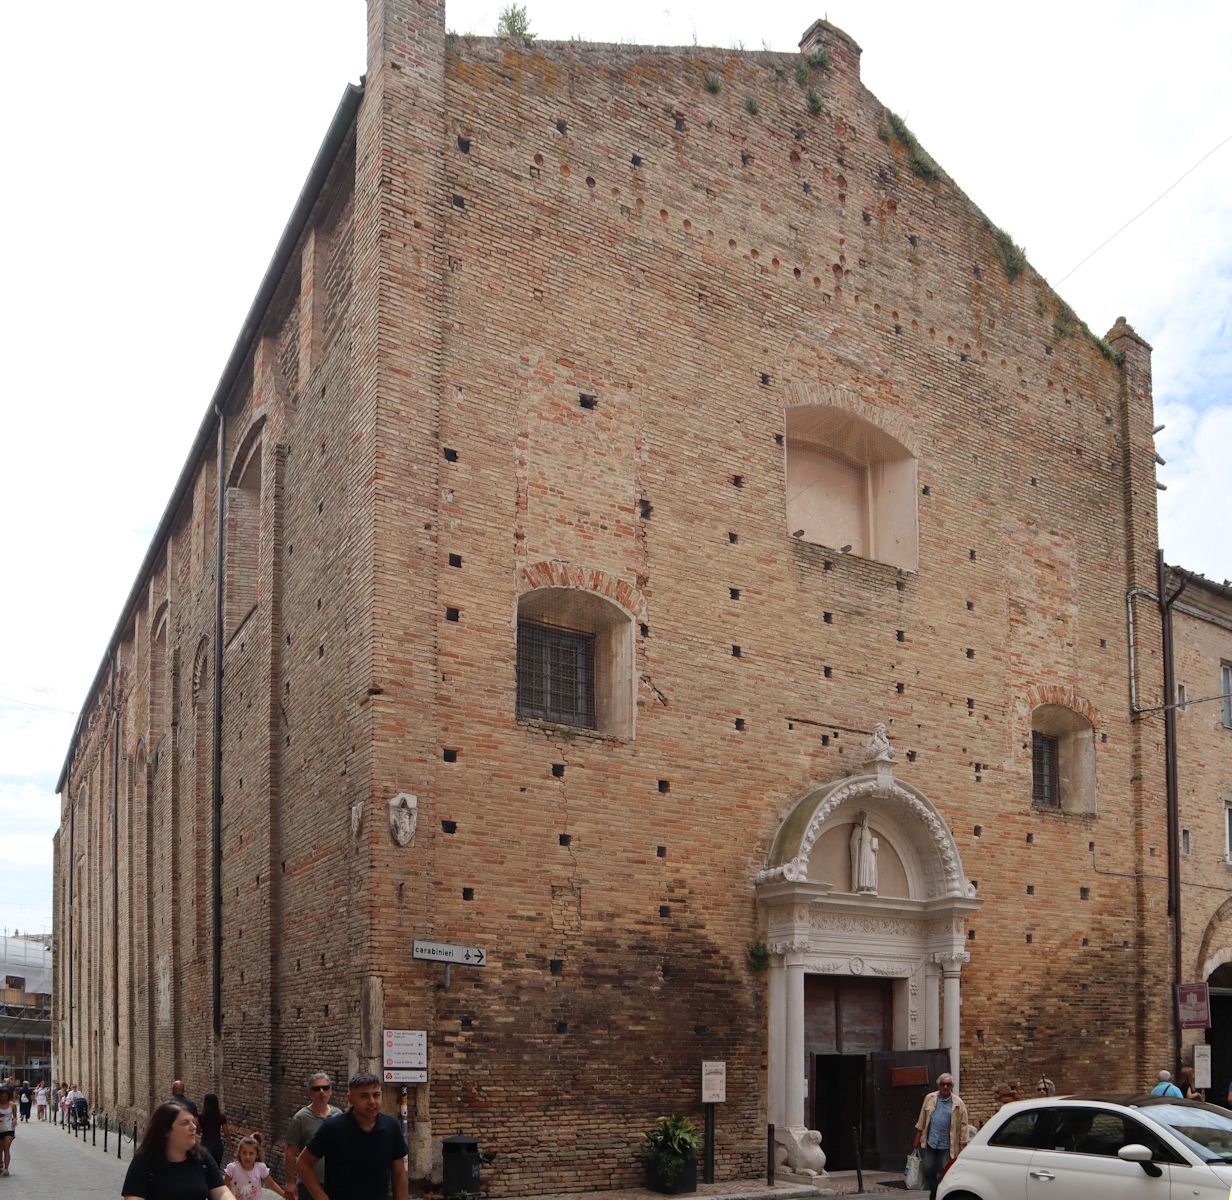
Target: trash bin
(460,1160)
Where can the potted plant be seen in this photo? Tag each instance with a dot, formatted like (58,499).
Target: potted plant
(669,1150)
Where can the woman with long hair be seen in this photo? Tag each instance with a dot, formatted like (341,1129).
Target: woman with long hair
(213,1122)
(169,1165)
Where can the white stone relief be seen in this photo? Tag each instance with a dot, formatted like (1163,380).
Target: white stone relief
(857,966)
(403,817)
(878,748)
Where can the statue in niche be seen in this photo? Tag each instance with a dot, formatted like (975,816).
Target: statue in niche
(403,817)
(864,849)
(878,748)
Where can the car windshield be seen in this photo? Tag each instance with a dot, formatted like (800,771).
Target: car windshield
(1206,1131)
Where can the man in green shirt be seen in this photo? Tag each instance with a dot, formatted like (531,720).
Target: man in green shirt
(303,1125)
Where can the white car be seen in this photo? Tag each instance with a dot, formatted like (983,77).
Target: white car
(1079,1148)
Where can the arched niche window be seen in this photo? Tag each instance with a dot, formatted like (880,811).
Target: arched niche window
(575,661)
(1062,759)
(243,545)
(851,486)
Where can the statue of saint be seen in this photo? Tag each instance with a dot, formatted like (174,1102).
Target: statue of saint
(878,748)
(863,857)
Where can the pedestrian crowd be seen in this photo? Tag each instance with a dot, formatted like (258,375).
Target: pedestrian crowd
(330,1155)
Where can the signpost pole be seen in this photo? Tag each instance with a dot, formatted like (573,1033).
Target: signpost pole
(708,1176)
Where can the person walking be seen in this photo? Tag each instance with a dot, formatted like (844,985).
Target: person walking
(941,1130)
(1185,1085)
(304,1124)
(40,1101)
(213,1123)
(8,1127)
(364,1149)
(25,1099)
(169,1163)
(1165,1087)
(178,1097)
(248,1175)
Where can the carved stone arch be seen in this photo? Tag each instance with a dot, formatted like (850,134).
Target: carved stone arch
(246,449)
(827,804)
(799,393)
(1064,696)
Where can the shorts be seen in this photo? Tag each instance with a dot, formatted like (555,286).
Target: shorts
(7,1133)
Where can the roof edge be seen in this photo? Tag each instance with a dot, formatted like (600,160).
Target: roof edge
(339,126)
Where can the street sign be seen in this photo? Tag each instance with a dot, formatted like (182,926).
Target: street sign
(714,1083)
(446,952)
(405,1049)
(1193,1007)
(405,1076)
(1202,1066)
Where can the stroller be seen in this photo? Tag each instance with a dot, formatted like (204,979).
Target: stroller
(79,1114)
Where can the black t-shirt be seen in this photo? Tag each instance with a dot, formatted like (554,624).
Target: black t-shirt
(192,1179)
(358,1165)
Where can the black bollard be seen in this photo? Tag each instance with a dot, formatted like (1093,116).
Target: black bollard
(855,1137)
(770,1156)
(106,1126)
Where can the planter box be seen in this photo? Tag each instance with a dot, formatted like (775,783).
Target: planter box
(686,1181)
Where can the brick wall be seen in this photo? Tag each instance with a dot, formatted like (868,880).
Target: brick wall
(677,234)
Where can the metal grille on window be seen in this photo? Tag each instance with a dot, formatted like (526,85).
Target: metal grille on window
(556,675)
(1045,770)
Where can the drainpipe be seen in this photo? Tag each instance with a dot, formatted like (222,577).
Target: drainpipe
(1173,805)
(115,863)
(218,568)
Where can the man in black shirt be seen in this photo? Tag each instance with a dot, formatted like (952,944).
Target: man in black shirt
(363,1149)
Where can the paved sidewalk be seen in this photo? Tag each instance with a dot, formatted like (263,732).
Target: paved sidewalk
(49,1164)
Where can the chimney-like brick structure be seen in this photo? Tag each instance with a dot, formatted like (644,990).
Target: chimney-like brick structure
(841,47)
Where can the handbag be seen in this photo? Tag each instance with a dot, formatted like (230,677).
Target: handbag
(913,1172)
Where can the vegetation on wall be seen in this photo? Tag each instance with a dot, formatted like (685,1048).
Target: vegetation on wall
(1012,257)
(514,23)
(894,129)
(712,82)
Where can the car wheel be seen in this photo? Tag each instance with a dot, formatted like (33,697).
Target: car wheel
(962,1196)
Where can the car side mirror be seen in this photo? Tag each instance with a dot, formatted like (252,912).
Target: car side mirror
(1135,1152)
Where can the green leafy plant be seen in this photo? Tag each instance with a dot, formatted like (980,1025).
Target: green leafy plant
(802,73)
(751,105)
(1065,323)
(757,956)
(514,23)
(1013,258)
(668,1145)
(894,128)
(712,83)
(814,102)
(1110,352)
(819,60)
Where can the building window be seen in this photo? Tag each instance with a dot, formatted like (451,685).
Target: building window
(1225,690)
(16,982)
(1062,759)
(1045,770)
(242,546)
(1227,827)
(1186,842)
(556,675)
(850,486)
(1182,697)
(575,658)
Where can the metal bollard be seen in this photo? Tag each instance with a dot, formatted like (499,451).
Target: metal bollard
(106,1124)
(770,1156)
(93,1129)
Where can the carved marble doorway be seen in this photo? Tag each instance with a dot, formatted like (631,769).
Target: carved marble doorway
(863,882)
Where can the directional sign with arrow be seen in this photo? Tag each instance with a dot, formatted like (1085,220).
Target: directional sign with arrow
(446,952)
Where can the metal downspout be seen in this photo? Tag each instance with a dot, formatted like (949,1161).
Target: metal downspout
(218,629)
(1173,804)
(115,861)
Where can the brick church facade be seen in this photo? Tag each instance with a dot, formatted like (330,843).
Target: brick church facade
(620,436)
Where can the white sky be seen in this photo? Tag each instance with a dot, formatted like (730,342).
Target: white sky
(155,151)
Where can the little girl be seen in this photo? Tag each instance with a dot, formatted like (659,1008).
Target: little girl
(247,1175)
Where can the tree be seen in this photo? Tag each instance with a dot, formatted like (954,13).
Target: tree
(514,23)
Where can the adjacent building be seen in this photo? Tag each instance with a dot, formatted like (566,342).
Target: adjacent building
(25,1007)
(654,529)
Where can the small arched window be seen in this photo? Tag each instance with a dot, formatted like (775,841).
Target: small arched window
(1062,759)
(851,486)
(575,661)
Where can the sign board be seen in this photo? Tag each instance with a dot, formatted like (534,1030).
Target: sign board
(405,1049)
(714,1083)
(1202,1067)
(446,952)
(1193,1006)
(404,1076)
(908,1076)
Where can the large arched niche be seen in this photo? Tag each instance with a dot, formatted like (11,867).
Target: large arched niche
(909,927)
